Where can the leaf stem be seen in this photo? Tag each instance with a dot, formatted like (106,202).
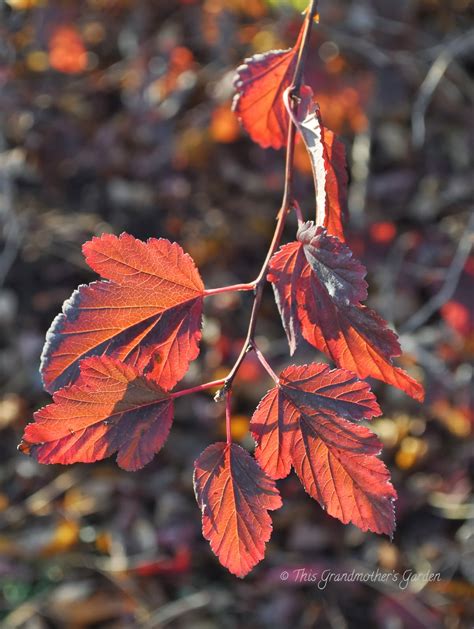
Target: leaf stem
(259,283)
(298,212)
(265,364)
(198,388)
(228,416)
(287,196)
(303,52)
(229,289)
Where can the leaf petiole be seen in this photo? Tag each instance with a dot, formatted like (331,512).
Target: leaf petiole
(264,363)
(198,388)
(228,416)
(232,288)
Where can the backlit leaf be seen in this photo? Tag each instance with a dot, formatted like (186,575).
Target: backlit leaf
(306,421)
(235,497)
(147,313)
(318,287)
(328,162)
(260,83)
(111,408)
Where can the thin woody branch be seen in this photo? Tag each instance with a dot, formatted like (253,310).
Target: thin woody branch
(286,200)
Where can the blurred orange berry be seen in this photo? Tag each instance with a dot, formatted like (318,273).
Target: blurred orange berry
(66,50)
(224,125)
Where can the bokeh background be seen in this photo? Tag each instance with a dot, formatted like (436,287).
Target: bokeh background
(115,115)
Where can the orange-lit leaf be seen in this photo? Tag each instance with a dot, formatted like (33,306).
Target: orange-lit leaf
(234,496)
(306,421)
(147,314)
(318,288)
(111,408)
(260,83)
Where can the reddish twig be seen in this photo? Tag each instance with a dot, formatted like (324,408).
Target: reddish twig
(287,203)
(286,200)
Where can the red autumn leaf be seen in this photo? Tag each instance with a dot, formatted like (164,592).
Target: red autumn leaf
(304,422)
(234,496)
(147,314)
(260,83)
(318,287)
(111,408)
(328,162)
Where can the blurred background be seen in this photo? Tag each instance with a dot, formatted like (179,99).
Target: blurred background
(115,116)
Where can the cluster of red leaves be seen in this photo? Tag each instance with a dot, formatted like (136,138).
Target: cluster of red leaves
(121,344)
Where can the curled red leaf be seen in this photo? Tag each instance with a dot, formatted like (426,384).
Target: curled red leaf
(318,287)
(306,421)
(235,497)
(328,163)
(147,313)
(111,408)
